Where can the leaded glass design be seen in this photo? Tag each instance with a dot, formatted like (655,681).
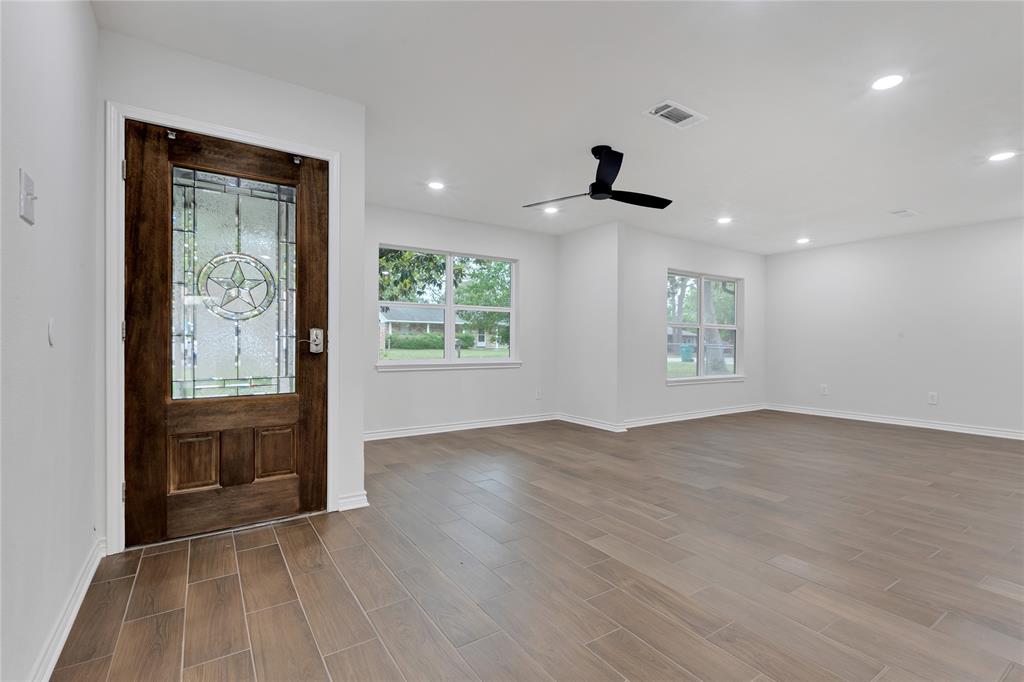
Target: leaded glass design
(233,286)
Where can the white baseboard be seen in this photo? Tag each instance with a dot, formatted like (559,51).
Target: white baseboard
(47,660)
(614,427)
(693,414)
(352,501)
(455,426)
(901,421)
(592,423)
(683,416)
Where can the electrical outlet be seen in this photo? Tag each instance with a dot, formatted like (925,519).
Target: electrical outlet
(539,396)
(933,398)
(823,389)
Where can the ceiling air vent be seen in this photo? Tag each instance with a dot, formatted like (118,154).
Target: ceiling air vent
(676,115)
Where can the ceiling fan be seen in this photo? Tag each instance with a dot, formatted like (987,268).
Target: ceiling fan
(608,163)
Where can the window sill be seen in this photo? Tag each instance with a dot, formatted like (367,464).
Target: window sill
(441,366)
(731,379)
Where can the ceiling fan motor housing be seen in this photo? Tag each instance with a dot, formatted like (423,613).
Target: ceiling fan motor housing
(600,191)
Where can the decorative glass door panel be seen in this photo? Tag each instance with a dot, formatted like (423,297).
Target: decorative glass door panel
(232,286)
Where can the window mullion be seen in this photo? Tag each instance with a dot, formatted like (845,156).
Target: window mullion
(700,326)
(449,308)
(484,309)
(410,304)
(740,289)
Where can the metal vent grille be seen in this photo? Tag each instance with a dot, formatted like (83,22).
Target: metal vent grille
(675,115)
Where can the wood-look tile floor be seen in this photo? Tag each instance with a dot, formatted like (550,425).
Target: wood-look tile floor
(761,546)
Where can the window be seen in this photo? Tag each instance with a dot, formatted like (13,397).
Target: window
(232,286)
(443,308)
(703,329)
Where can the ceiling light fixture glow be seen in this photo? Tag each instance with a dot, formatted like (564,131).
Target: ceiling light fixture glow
(724,220)
(1002,156)
(886,82)
(435,184)
(551,209)
(803,240)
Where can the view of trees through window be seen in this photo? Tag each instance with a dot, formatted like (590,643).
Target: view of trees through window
(701,316)
(421,320)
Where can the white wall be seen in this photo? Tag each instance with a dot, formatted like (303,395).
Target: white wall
(886,321)
(644,261)
(51,432)
(587,324)
(611,327)
(397,401)
(157,78)
(591,332)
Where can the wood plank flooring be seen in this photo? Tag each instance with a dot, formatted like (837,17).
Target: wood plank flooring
(761,546)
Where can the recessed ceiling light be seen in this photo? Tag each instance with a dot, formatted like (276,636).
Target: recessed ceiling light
(1002,156)
(886,82)
(435,185)
(551,209)
(724,220)
(803,240)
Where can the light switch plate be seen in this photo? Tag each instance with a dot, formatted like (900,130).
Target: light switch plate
(26,197)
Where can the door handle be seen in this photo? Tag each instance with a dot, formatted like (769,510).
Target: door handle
(315,340)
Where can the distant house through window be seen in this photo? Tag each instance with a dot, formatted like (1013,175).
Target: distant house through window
(702,326)
(438,308)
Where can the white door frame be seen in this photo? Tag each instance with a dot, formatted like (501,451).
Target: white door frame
(115,286)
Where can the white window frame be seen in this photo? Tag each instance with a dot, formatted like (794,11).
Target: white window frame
(700,325)
(450,361)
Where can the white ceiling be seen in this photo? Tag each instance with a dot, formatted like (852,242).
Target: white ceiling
(502,101)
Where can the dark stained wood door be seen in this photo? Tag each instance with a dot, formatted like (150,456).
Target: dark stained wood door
(225,275)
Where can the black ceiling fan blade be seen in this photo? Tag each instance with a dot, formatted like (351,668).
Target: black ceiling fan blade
(638,199)
(552,201)
(609,162)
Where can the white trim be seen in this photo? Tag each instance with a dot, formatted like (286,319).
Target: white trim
(403,432)
(592,423)
(399,366)
(992,432)
(681,416)
(694,414)
(721,379)
(451,320)
(352,501)
(114,277)
(613,427)
(700,325)
(449,302)
(47,661)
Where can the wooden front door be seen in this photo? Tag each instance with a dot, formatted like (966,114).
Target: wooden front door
(225,276)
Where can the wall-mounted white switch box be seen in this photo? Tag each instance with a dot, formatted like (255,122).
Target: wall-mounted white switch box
(823,389)
(26,197)
(933,398)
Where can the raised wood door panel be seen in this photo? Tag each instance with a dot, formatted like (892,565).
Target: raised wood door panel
(275,451)
(225,271)
(193,461)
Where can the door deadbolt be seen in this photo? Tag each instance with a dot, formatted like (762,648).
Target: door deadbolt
(315,340)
